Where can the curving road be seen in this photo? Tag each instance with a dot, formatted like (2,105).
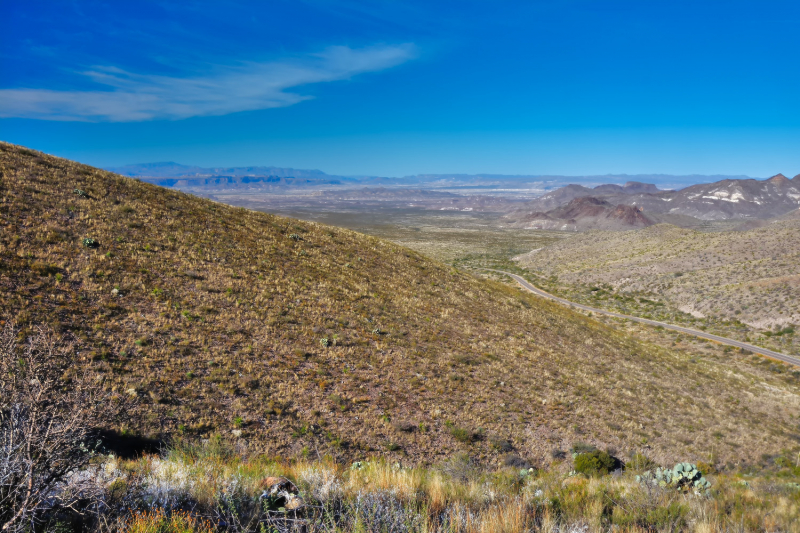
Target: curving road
(724,340)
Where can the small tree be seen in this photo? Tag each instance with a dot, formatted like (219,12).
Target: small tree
(46,427)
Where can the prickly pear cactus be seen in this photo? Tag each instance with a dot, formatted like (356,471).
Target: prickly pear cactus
(684,477)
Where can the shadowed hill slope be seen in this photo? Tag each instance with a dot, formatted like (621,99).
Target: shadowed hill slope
(297,337)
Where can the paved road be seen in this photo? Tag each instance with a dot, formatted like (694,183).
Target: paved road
(724,340)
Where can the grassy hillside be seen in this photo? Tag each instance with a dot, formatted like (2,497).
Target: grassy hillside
(304,339)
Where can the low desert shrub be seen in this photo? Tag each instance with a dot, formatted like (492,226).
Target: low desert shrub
(462,435)
(595,463)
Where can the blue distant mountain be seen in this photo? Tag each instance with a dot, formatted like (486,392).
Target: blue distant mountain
(200,177)
(176,170)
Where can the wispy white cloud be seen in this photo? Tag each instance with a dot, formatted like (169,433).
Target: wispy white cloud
(244,87)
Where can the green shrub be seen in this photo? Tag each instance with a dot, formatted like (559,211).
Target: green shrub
(462,435)
(595,463)
(44,269)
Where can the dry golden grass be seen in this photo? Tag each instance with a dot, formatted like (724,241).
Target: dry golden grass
(378,496)
(214,318)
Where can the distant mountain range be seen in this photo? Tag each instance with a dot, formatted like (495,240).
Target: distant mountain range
(192,178)
(572,203)
(575,207)
(187,177)
(176,170)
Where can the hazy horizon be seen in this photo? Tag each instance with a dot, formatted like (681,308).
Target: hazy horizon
(131,169)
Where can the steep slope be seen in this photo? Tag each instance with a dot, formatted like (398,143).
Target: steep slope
(300,338)
(752,276)
(791,215)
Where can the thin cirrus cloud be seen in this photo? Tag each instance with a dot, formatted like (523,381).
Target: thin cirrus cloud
(245,87)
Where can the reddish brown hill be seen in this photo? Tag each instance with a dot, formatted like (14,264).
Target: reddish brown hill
(585,213)
(587,206)
(779,179)
(630,215)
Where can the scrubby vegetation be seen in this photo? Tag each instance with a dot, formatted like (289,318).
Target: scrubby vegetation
(737,283)
(211,318)
(52,483)
(212,488)
(593,462)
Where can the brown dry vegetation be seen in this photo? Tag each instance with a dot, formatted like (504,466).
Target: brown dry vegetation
(752,276)
(456,498)
(213,317)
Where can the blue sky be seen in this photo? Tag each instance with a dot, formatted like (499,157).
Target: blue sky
(398,88)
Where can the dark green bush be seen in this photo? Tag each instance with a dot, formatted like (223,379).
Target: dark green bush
(595,463)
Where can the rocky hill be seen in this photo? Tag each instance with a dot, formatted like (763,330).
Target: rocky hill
(564,195)
(746,199)
(583,213)
(301,339)
(759,199)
